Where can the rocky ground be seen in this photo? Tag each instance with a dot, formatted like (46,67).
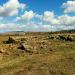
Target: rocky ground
(37,54)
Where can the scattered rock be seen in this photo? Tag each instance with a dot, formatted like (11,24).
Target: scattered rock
(70,38)
(23,39)
(2,51)
(24,47)
(10,40)
(51,37)
(62,37)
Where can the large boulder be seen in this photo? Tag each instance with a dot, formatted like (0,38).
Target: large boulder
(66,38)
(62,37)
(25,47)
(70,38)
(22,46)
(51,36)
(10,40)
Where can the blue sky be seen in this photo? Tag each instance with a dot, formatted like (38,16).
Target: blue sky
(37,15)
(43,5)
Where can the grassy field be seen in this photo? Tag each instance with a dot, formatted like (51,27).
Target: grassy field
(46,57)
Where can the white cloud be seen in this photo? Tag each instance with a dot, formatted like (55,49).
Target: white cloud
(48,14)
(50,17)
(47,22)
(22,6)
(67,20)
(10,8)
(30,26)
(28,15)
(30,21)
(69,6)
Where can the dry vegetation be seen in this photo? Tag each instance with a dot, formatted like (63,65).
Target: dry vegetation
(37,54)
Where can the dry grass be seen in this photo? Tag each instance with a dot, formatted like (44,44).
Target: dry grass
(48,57)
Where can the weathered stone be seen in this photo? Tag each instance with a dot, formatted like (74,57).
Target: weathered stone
(70,38)
(62,37)
(51,37)
(10,40)
(2,51)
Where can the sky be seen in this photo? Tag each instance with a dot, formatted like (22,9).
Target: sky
(37,15)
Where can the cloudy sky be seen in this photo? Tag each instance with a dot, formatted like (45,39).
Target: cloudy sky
(37,15)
